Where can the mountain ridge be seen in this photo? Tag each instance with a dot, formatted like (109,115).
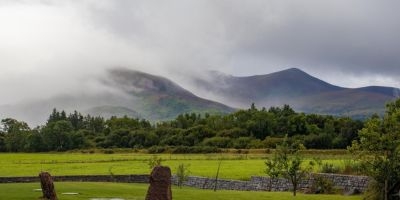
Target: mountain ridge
(143,95)
(297,88)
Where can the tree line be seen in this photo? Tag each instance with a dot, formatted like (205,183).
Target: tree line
(191,132)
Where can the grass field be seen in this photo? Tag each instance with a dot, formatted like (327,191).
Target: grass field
(138,191)
(233,166)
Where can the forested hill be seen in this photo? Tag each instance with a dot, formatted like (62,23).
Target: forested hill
(187,133)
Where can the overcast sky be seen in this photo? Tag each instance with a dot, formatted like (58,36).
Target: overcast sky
(51,47)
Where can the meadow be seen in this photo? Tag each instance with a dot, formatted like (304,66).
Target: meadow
(138,191)
(233,165)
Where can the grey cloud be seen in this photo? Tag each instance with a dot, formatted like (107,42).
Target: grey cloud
(349,37)
(349,43)
(359,38)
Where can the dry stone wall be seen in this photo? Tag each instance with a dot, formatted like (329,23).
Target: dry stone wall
(256,183)
(140,178)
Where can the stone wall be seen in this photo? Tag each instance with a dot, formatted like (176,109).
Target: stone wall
(27,179)
(82,178)
(258,183)
(141,178)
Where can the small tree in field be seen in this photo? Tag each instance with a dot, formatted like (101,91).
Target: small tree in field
(154,161)
(182,173)
(272,170)
(287,163)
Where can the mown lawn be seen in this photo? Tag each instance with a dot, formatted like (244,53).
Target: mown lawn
(233,166)
(138,191)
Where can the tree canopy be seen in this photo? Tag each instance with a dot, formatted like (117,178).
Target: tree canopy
(378,150)
(190,132)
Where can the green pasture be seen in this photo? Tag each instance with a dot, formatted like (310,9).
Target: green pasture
(138,191)
(233,166)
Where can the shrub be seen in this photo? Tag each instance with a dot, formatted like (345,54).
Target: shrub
(181,149)
(221,142)
(256,144)
(271,142)
(241,142)
(195,149)
(108,151)
(351,167)
(110,171)
(321,141)
(154,161)
(242,151)
(329,168)
(339,142)
(182,173)
(374,190)
(205,149)
(156,149)
(322,185)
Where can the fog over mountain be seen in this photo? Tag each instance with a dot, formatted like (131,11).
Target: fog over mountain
(298,89)
(121,92)
(51,48)
(136,94)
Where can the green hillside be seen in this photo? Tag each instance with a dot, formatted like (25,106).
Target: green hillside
(158,98)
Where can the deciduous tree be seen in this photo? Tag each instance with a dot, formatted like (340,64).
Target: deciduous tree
(378,150)
(287,162)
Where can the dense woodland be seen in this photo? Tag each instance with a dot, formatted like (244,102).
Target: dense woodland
(251,128)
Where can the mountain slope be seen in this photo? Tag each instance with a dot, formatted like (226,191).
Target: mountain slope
(159,98)
(349,102)
(298,89)
(122,92)
(267,90)
(109,111)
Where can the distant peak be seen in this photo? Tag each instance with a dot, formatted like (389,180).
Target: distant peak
(218,73)
(126,72)
(297,70)
(294,69)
